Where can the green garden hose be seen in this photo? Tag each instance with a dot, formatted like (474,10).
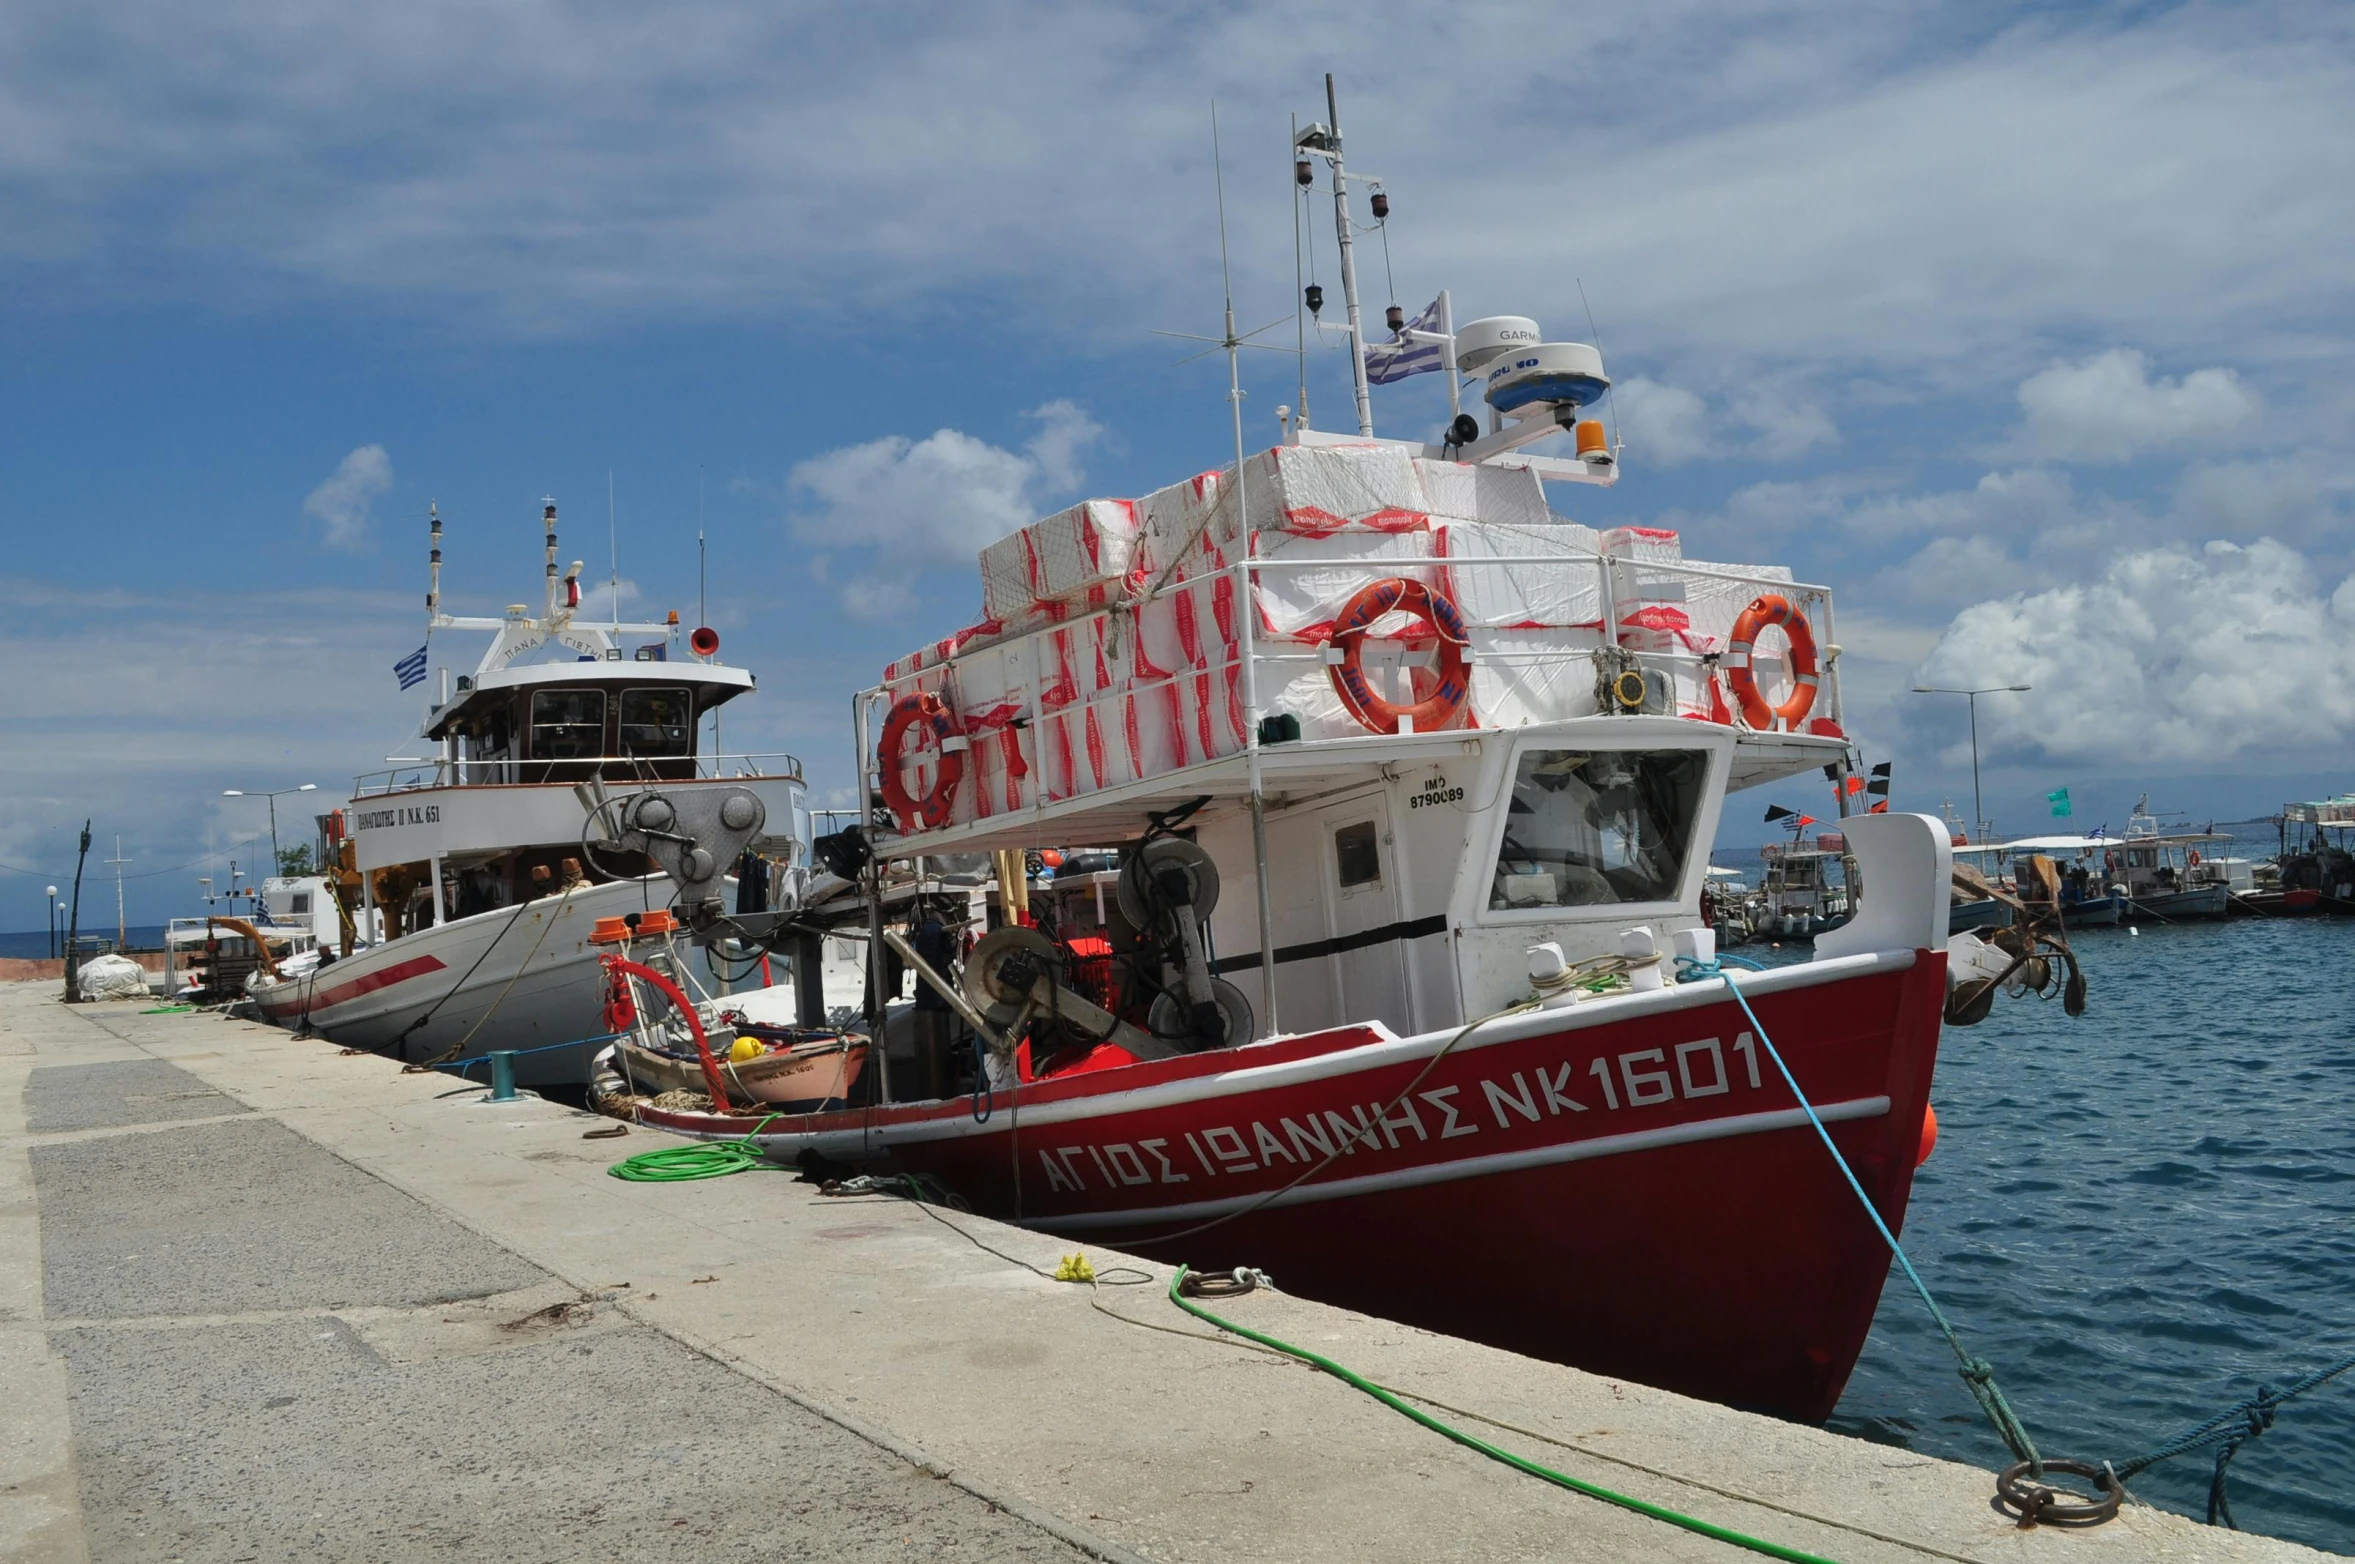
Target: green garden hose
(697,1159)
(1773,1550)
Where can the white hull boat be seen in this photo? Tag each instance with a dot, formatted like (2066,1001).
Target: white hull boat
(474,868)
(522,979)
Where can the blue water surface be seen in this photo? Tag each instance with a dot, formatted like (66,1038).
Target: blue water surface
(2140,1215)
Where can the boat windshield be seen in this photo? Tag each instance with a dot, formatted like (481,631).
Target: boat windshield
(657,722)
(1598,827)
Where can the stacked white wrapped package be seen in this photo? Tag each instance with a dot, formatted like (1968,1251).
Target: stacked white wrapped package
(1115,647)
(1086,557)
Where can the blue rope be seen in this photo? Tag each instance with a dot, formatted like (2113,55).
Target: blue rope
(1977,1373)
(2228,1431)
(461,1066)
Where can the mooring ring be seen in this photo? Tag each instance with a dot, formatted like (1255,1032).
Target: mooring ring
(2039,1505)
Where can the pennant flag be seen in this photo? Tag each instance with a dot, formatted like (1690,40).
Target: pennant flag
(2059,799)
(1879,786)
(1881,770)
(1803,822)
(1853,785)
(1390,361)
(1880,808)
(410,670)
(1776,812)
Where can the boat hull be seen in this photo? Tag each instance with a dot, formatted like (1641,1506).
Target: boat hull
(522,978)
(2205,901)
(1626,1185)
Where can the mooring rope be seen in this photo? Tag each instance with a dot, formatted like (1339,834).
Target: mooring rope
(1976,1372)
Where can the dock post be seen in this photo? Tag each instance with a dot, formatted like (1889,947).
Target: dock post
(503,1076)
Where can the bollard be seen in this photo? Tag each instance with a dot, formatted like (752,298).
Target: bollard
(503,1076)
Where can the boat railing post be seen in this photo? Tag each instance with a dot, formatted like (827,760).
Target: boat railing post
(1251,721)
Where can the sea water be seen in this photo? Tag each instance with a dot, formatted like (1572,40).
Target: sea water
(2141,1215)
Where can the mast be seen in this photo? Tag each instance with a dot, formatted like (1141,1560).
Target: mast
(548,517)
(433,588)
(1357,337)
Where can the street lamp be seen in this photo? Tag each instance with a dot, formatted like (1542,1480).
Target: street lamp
(273,797)
(53,920)
(1978,805)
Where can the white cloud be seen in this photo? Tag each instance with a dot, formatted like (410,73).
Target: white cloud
(2174,656)
(934,502)
(1663,425)
(341,504)
(2108,408)
(1667,425)
(608,600)
(1801,182)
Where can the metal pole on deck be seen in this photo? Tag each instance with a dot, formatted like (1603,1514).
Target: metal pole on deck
(1357,336)
(880,1051)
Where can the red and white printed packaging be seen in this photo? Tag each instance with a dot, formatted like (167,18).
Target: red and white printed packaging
(1090,547)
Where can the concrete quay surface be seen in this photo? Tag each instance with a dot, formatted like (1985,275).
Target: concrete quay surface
(263,1300)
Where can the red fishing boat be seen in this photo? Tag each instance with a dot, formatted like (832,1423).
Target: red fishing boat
(1408,783)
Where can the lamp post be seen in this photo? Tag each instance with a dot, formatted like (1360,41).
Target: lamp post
(1978,803)
(273,797)
(53,920)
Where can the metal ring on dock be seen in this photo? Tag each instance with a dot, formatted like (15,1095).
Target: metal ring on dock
(2037,1504)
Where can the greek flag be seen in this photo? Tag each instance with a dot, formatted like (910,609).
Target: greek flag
(1389,361)
(410,670)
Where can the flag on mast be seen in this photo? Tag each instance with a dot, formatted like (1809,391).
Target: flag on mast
(1391,361)
(410,670)
(2059,799)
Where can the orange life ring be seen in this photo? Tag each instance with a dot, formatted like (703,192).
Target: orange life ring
(2195,857)
(932,810)
(1398,594)
(1742,679)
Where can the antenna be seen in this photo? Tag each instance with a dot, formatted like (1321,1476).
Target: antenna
(1609,400)
(613,543)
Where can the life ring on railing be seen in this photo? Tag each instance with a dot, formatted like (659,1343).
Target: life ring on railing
(2195,858)
(1396,594)
(933,808)
(1742,679)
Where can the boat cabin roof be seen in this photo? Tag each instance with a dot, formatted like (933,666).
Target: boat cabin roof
(477,696)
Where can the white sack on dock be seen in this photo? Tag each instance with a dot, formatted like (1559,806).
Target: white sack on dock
(112,977)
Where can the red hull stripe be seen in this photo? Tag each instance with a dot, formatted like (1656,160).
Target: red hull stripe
(367,983)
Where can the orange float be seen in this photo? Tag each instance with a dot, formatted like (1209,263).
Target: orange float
(1742,679)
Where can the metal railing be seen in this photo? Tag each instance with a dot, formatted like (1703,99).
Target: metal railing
(771,766)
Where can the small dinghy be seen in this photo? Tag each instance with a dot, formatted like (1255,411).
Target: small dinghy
(800,1070)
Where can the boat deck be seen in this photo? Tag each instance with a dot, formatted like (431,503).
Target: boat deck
(272,1299)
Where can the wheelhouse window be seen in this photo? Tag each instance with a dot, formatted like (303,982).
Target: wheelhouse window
(1589,828)
(657,722)
(568,724)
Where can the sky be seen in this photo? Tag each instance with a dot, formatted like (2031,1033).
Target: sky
(2025,328)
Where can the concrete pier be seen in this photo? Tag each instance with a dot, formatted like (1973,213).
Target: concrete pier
(264,1300)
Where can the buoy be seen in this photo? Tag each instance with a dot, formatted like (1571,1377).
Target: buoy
(1929,1135)
(746,1049)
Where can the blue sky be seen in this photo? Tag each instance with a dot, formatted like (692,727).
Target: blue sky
(2023,327)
